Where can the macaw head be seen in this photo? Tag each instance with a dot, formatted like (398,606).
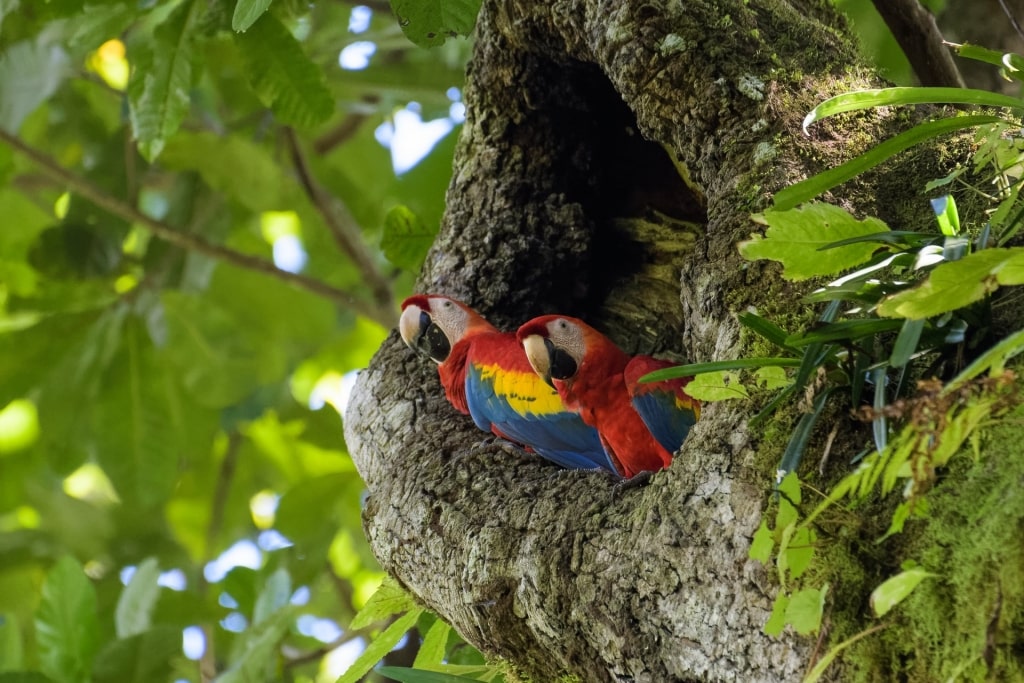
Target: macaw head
(433,324)
(555,345)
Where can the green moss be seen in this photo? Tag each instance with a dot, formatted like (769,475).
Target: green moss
(966,624)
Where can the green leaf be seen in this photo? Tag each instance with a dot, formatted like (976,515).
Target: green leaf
(257,647)
(906,343)
(406,675)
(218,363)
(843,331)
(764,328)
(993,360)
(406,239)
(12,651)
(716,386)
(247,12)
(815,674)
(895,589)
(947,215)
(772,377)
(800,552)
(134,613)
(158,90)
(281,74)
(143,658)
(883,97)
(273,597)
(232,165)
(389,600)
(805,609)
(30,72)
(810,188)
(795,238)
(429,23)
(763,543)
(434,645)
(718,366)
(790,488)
(67,626)
(956,284)
(777,621)
(134,422)
(380,646)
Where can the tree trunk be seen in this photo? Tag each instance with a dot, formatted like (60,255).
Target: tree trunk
(612,155)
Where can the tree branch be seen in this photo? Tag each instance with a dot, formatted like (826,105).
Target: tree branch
(915,30)
(191,241)
(342,225)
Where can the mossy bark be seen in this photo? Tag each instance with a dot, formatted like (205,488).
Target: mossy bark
(612,155)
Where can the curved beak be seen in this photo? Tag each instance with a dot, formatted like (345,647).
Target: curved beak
(538,352)
(412,325)
(421,333)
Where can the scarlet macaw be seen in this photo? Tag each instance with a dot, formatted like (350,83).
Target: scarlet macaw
(485,374)
(641,425)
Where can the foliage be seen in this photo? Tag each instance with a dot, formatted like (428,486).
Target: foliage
(171,461)
(914,307)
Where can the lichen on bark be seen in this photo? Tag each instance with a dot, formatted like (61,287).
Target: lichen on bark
(567,197)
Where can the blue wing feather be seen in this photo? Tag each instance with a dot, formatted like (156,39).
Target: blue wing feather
(668,422)
(559,436)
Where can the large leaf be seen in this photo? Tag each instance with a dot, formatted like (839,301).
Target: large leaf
(380,646)
(429,23)
(219,362)
(158,92)
(407,675)
(389,600)
(30,72)
(956,284)
(796,239)
(136,426)
(282,75)
(67,627)
(142,658)
(232,165)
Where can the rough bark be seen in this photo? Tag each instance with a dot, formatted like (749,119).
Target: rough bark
(584,118)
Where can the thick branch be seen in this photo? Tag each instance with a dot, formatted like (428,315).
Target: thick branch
(915,30)
(191,241)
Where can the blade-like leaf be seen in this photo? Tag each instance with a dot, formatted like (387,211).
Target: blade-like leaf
(906,343)
(883,97)
(429,23)
(794,452)
(380,646)
(158,91)
(795,238)
(810,188)
(845,330)
(247,12)
(765,328)
(947,215)
(282,75)
(718,366)
(67,626)
(434,645)
(134,611)
(406,675)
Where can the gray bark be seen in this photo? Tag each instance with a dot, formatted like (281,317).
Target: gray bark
(568,197)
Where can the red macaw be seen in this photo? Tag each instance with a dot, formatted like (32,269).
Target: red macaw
(641,425)
(485,374)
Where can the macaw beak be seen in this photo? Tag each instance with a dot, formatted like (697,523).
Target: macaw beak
(560,364)
(537,352)
(420,333)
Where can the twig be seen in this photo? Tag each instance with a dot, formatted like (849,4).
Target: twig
(1013,19)
(342,225)
(191,241)
(208,662)
(345,129)
(915,30)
